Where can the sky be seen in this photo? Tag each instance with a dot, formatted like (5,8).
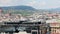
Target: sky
(38,4)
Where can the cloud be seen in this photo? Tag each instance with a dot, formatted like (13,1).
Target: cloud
(54,6)
(36,3)
(9,2)
(4,2)
(31,3)
(43,3)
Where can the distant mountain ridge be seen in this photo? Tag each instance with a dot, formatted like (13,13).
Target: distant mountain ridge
(28,8)
(54,9)
(18,8)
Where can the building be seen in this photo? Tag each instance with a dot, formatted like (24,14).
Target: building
(54,26)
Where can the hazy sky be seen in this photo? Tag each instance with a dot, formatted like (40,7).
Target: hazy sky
(39,4)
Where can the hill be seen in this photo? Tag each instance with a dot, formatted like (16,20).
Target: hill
(18,8)
(24,10)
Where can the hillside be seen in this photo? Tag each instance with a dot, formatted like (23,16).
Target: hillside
(24,10)
(18,8)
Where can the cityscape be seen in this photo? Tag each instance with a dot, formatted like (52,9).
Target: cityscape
(49,22)
(29,16)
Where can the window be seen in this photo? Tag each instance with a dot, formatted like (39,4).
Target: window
(34,28)
(34,32)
